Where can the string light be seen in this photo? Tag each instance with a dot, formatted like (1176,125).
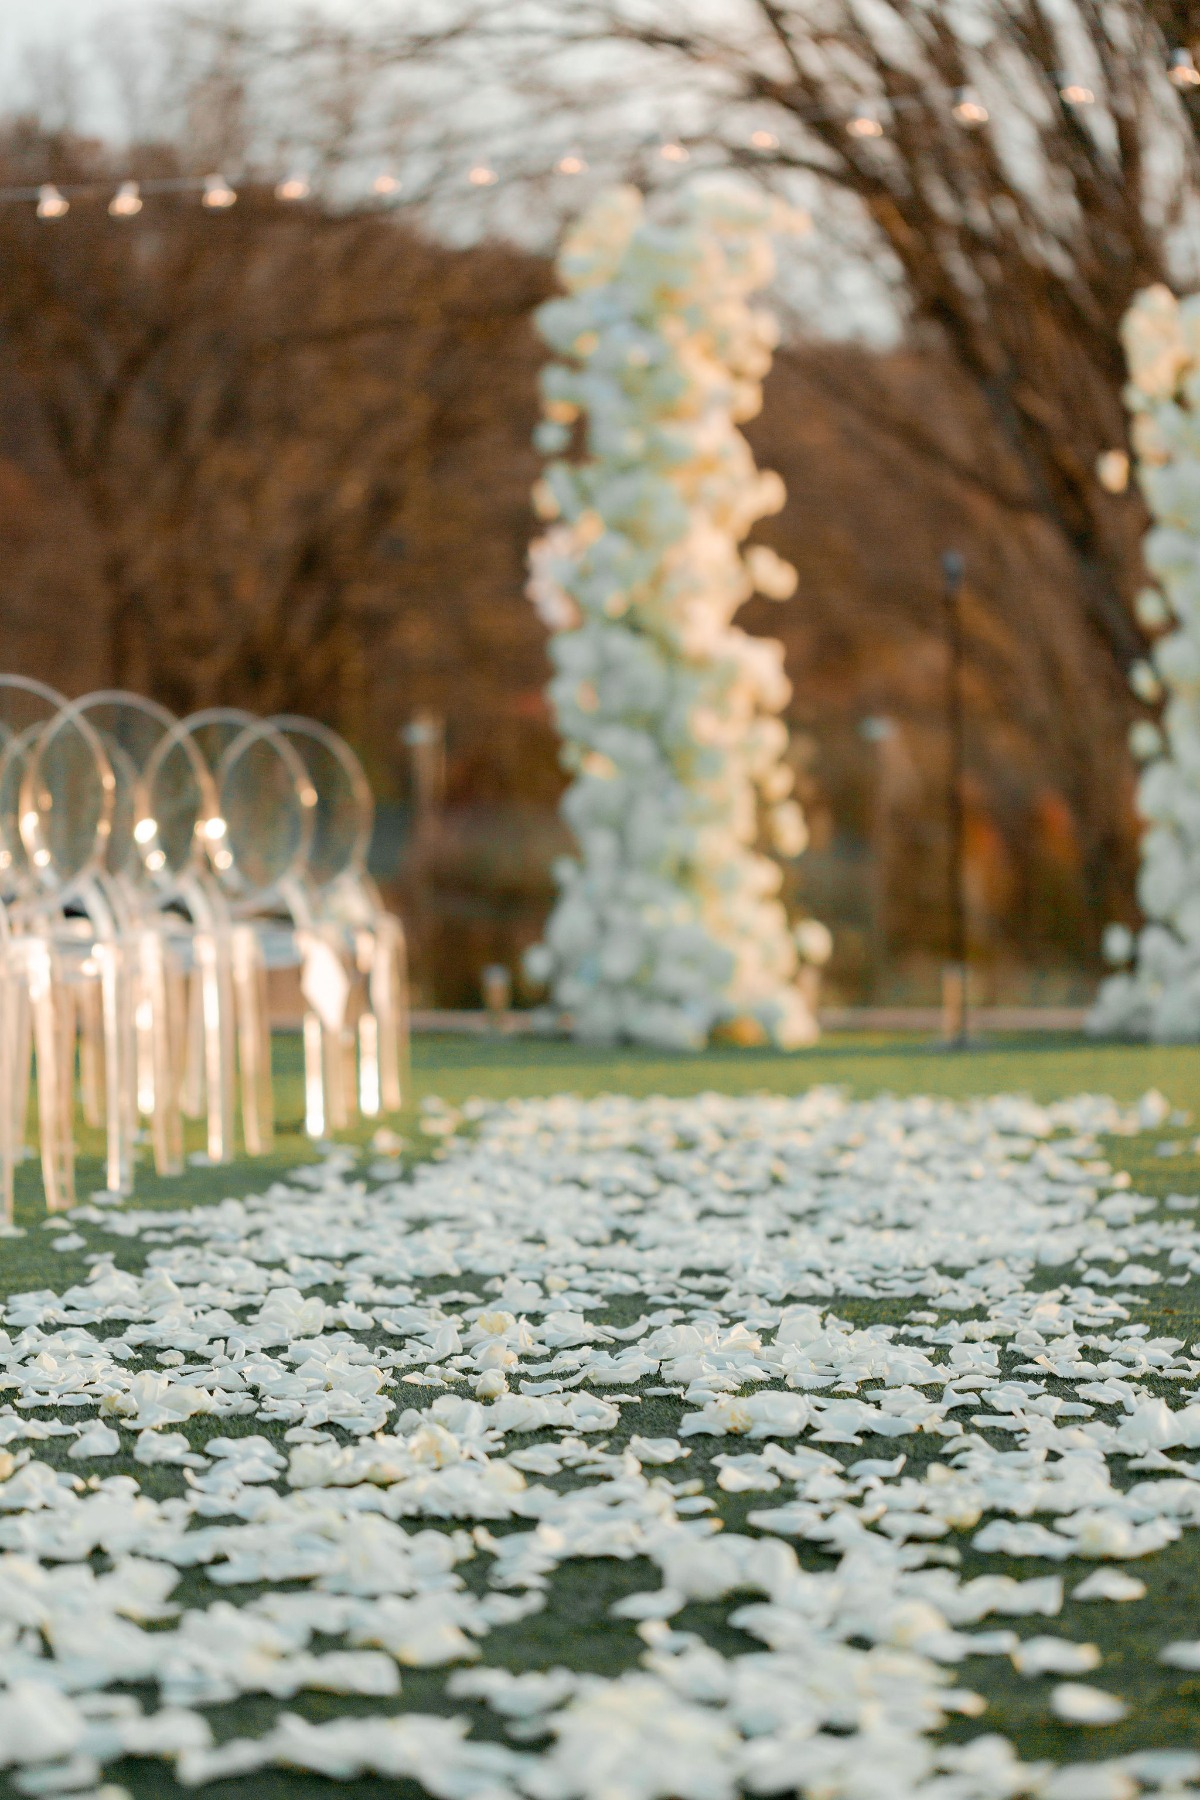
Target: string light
(1074,92)
(1183,71)
(217,193)
(1112,471)
(968,108)
(51,204)
(127,201)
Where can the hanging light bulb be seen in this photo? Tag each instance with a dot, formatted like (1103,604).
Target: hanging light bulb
(864,125)
(571,164)
(126,202)
(764,140)
(51,204)
(293,187)
(673,152)
(217,193)
(968,108)
(1182,70)
(1074,92)
(384,184)
(482,176)
(1112,471)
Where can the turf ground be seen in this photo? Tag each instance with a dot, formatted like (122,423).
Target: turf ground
(576,1629)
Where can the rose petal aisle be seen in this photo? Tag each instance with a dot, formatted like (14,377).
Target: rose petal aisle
(622,1448)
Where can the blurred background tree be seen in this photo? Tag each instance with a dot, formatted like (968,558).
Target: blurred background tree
(279,454)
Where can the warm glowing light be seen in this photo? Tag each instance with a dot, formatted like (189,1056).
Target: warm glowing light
(308,796)
(51,204)
(368,1066)
(384,184)
(314,1085)
(156,861)
(764,140)
(41,858)
(1075,94)
(223,860)
(1183,71)
(968,108)
(217,193)
(1112,471)
(29,822)
(215,828)
(864,126)
(482,176)
(126,201)
(673,152)
(571,164)
(144,830)
(293,187)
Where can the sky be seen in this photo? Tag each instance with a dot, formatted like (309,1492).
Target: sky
(838,291)
(30,24)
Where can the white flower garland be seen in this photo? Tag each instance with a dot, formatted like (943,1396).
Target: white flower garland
(1159,995)
(670,921)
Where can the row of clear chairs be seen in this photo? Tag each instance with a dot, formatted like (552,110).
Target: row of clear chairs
(152,871)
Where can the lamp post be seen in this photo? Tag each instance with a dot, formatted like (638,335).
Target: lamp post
(954,977)
(879,731)
(425,736)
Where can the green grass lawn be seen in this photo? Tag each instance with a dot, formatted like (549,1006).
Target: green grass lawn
(576,1629)
(1047,1066)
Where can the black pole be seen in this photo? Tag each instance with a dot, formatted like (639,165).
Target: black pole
(953,570)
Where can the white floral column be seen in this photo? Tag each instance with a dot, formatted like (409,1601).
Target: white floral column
(670,922)
(1158,994)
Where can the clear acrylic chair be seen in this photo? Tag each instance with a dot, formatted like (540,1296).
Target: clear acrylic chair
(57,797)
(338,897)
(255,840)
(163,800)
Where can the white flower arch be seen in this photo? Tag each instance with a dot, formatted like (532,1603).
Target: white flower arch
(669,922)
(1158,994)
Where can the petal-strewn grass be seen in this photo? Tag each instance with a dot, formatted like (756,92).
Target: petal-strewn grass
(445,1436)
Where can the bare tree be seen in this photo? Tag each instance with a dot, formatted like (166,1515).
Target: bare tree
(297,435)
(1023,182)
(1179,23)
(254,411)
(281,455)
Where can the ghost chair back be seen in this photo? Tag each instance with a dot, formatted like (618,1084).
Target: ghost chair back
(57,795)
(346,905)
